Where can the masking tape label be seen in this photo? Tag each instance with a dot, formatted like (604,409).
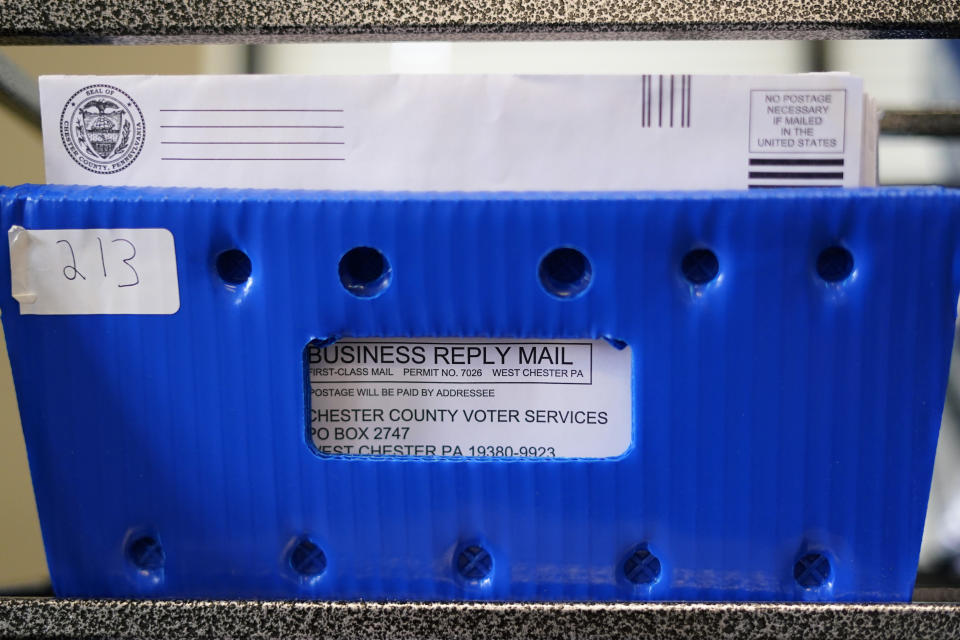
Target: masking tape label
(93,271)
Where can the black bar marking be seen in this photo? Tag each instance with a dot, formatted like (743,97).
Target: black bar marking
(671,102)
(660,102)
(649,100)
(643,101)
(795,186)
(797,162)
(787,175)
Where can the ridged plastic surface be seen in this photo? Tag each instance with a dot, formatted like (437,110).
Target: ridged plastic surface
(776,415)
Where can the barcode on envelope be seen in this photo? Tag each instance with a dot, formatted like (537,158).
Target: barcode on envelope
(665,101)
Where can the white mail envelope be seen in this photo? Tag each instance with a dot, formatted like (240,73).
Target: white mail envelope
(460,133)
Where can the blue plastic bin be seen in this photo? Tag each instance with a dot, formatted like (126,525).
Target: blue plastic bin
(785,409)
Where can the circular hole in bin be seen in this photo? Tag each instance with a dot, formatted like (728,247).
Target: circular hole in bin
(474,563)
(307,558)
(700,266)
(834,264)
(565,272)
(364,272)
(812,570)
(642,567)
(234,267)
(146,553)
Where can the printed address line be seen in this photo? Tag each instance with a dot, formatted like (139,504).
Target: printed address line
(224,142)
(251,110)
(250,126)
(261,159)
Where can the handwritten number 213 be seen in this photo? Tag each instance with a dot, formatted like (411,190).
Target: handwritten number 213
(71,272)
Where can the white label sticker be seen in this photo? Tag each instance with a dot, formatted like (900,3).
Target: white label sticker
(94,271)
(470,398)
(797,121)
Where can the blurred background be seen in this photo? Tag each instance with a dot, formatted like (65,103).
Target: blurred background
(905,74)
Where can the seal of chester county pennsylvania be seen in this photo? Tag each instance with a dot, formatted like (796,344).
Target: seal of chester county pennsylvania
(102,128)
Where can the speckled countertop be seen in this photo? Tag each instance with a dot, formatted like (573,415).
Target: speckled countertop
(88,619)
(51,21)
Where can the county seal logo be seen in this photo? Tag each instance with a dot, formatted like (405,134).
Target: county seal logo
(102,128)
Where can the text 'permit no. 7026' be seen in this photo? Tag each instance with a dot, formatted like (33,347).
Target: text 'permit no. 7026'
(470,398)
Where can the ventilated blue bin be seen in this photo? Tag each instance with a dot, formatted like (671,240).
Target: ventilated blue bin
(785,408)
